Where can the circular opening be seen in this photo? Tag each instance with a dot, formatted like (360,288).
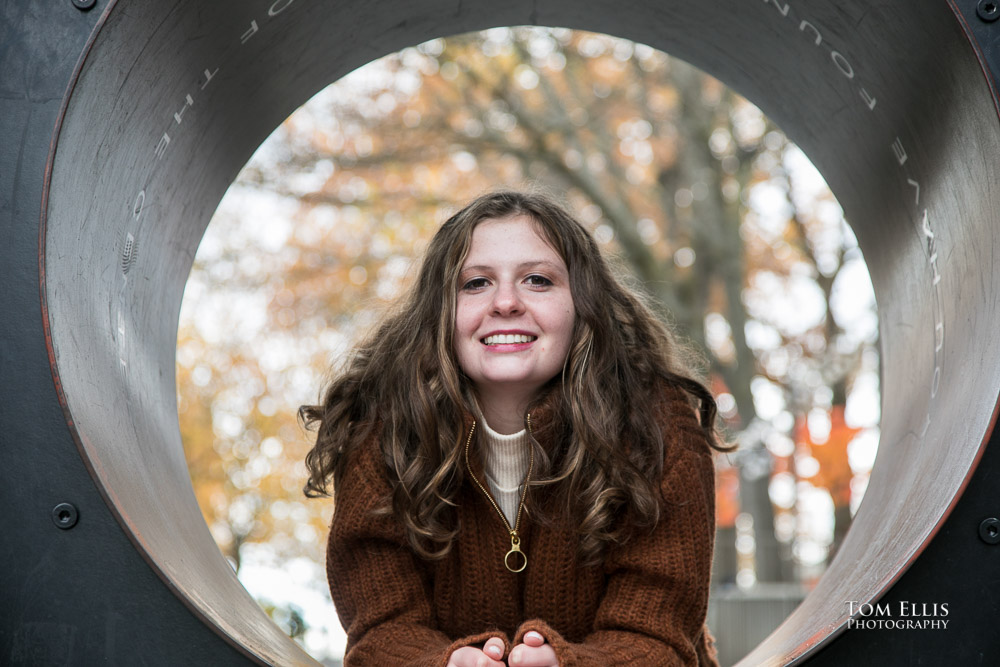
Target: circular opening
(318,229)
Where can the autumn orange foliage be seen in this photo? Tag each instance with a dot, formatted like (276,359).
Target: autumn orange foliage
(727,496)
(835,472)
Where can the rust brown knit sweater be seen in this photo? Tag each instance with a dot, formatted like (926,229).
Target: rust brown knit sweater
(645,605)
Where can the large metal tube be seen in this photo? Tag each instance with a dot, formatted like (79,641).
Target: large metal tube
(894,102)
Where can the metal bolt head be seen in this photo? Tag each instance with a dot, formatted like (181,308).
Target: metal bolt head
(988,10)
(65,516)
(84,5)
(989,531)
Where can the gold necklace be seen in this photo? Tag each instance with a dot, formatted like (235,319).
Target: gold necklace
(515,538)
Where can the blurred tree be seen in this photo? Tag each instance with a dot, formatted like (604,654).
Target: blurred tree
(657,157)
(832,470)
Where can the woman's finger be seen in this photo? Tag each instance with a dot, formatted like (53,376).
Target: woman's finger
(523,655)
(494,648)
(533,638)
(469,656)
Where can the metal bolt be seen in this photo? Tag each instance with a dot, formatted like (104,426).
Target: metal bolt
(988,10)
(65,516)
(84,5)
(989,531)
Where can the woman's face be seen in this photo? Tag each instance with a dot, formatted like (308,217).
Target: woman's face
(514,314)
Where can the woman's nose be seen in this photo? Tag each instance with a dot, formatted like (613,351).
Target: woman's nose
(506,300)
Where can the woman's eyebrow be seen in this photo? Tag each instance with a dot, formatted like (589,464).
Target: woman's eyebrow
(552,266)
(544,263)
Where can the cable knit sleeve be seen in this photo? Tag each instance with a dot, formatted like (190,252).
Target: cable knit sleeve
(377,583)
(654,608)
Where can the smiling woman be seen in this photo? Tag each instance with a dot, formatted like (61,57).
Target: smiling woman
(591,540)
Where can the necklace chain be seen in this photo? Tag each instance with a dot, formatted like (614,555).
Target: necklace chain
(515,552)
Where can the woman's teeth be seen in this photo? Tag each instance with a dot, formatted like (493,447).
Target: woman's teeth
(506,339)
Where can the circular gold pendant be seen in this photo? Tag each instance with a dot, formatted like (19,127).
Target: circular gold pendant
(515,560)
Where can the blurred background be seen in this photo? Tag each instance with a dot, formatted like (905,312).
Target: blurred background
(685,184)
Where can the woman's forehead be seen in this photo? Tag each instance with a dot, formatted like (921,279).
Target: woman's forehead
(512,237)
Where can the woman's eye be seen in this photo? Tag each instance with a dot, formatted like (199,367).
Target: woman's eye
(475,283)
(538,281)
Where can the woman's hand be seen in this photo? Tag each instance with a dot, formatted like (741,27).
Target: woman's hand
(491,655)
(534,652)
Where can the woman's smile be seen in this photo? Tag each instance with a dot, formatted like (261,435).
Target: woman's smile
(509,341)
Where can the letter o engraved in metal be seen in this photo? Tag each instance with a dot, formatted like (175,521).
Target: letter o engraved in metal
(523,560)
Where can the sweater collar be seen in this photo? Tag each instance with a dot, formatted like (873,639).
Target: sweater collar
(545,422)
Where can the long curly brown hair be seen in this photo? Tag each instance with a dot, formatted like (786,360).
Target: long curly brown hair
(407,393)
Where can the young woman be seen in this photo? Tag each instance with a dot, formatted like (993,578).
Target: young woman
(521,467)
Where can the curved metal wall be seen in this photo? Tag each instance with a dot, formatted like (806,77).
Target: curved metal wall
(122,127)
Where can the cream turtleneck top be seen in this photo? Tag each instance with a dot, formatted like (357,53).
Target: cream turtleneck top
(507,461)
